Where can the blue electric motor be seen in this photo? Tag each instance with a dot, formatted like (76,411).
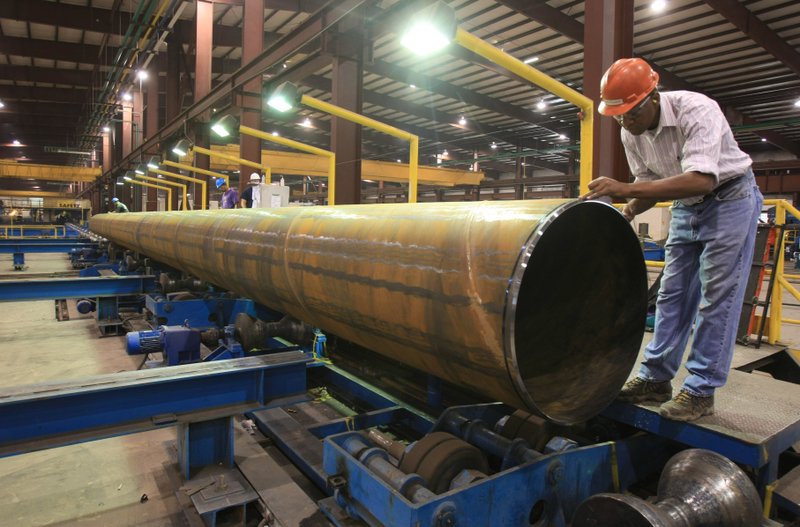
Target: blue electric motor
(179,344)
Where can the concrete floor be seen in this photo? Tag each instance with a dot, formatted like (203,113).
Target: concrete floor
(98,483)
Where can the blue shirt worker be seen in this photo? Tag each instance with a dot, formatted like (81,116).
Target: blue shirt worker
(118,206)
(680,147)
(230,197)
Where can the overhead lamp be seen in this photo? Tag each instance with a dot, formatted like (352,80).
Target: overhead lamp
(16,142)
(2,105)
(106,129)
(430,30)
(182,147)
(275,133)
(306,123)
(494,145)
(127,96)
(462,120)
(225,126)
(284,98)
(530,60)
(797,103)
(141,75)
(658,6)
(120,181)
(153,162)
(562,136)
(541,105)
(140,169)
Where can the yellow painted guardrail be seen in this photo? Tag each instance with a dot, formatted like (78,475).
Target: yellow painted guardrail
(782,207)
(59,231)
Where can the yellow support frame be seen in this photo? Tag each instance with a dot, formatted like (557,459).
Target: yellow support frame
(202,182)
(159,187)
(190,168)
(413,157)
(210,153)
(519,68)
(246,130)
(182,186)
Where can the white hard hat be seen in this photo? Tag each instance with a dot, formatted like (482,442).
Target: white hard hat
(254,177)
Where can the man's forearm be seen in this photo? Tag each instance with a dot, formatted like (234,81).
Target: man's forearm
(637,206)
(683,185)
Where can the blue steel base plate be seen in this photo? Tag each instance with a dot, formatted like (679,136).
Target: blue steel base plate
(755,416)
(221,491)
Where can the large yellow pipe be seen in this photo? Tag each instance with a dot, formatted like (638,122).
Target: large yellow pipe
(413,140)
(305,148)
(157,181)
(493,296)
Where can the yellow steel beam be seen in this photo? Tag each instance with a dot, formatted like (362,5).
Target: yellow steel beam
(292,163)
(12,169)
(233,158)
(34,194)
(157,181)
(413,140)
(190,168)
(519,68)
(202,182)
(326,154)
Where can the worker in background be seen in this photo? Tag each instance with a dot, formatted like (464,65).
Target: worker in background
(118,206)
(229,198)
(680,147)
(251,197)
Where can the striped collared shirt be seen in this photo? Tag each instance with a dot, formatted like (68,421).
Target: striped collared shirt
(692,136)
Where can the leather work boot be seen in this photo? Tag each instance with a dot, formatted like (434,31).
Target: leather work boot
(687,407)
(638,390)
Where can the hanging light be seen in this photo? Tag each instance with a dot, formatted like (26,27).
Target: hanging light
(182,147)
(284,98)
(225,126)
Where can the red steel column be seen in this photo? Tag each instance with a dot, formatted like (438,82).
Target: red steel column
(150,129)
(346,91)
(173,77)
(204,32)
(608,36)
(251,101)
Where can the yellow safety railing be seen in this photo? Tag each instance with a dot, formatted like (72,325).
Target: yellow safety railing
(782,207)
(191,168)
(59,231)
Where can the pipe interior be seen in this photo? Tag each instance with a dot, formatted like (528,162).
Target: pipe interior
(581,312)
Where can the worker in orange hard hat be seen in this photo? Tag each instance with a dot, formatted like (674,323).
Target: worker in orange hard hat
(680,147)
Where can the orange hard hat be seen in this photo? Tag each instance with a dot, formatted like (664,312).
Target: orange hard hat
(625,84)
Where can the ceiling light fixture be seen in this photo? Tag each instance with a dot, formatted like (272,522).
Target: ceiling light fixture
(462,120)
(127,96)
(225,126)
(541,105)
(106,129)
(16,142)
(430,30)
(306,123)
(284,98)
(2,105)
(182,147)
(153,162)
(141,75)
(658,6)
(494,145)
(530,59)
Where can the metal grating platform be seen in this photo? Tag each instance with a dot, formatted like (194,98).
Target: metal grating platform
(756,417)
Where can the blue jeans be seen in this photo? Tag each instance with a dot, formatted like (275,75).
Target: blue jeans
(709,254)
